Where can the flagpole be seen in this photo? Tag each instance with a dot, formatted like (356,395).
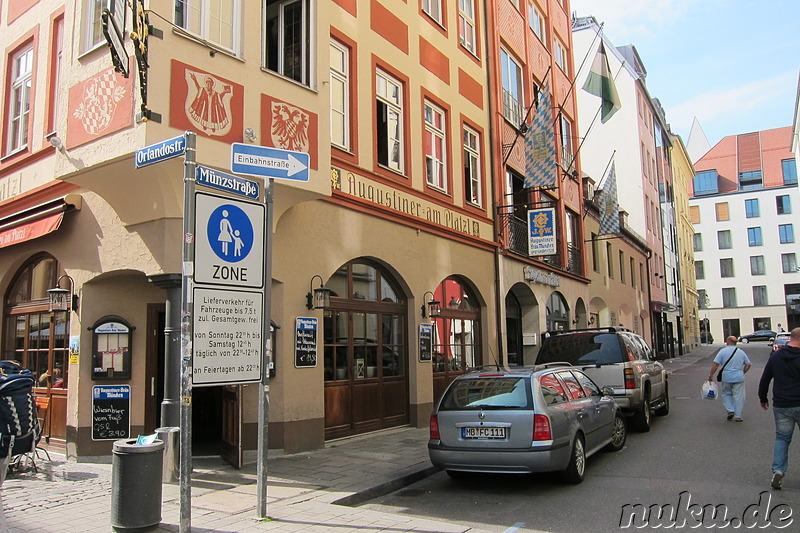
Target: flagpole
(525,120)
(575,79)
(605,170)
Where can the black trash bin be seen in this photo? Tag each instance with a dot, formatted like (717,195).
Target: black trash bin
(136,484)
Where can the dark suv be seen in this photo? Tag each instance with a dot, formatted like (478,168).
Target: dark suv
(614,357)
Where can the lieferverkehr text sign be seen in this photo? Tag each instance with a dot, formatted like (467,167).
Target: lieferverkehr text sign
(227,345)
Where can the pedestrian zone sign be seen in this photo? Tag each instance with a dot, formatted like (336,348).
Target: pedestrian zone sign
(230,241)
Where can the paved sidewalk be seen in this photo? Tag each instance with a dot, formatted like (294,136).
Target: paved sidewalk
(310,492)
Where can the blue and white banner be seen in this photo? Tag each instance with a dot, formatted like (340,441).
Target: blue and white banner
(542,231)
(540,145)
(609,205)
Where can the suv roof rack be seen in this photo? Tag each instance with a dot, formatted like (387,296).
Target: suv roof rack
(610,329)
(481,368)
(545,366)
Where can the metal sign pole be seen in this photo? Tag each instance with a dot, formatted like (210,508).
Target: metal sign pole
(189,162)
(263,398)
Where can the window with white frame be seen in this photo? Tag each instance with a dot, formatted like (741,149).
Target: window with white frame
(698,242)
(513,104)
(434,9)
(215,21)
(288,39)
(565,129)
(93,22)
(19,99)
(389,110)
(340,95)
(434,145)
(757,266)
(783,204)
(786,233)
(760,295)
(726,267)
(699,270)
(789,262)
(536,21)
(560,55)
(729,297)
(472,167)
(466,24)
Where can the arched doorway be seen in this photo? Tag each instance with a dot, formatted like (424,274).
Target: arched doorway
(366,376)
(514,330)
(39,339)
(456,333)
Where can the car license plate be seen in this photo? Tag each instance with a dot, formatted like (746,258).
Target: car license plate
(483,433)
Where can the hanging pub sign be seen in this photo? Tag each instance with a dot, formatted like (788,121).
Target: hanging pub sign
(542,231)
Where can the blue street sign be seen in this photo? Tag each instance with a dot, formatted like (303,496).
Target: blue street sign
(155,153)
(230,233)
(267,162)
(226,182)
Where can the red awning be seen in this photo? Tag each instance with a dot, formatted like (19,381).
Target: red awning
(30,230)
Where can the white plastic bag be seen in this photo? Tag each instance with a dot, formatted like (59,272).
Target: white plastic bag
(710,390)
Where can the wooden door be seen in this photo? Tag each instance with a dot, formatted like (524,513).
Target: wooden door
(231,448)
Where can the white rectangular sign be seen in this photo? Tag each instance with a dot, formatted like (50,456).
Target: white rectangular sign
(227,347)
(229,241)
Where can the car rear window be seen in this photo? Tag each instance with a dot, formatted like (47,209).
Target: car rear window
(581,349)
(488,393)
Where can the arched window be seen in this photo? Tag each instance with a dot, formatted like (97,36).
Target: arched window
(365,326)
(456,329)
(557,313)
(35,336)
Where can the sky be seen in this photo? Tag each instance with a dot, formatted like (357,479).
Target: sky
(733,64)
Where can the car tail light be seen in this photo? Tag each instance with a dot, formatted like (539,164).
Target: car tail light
(541,428)
(630,379)
(434,427)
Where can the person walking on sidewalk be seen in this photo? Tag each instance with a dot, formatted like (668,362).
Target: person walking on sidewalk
(783,367)
(735,365)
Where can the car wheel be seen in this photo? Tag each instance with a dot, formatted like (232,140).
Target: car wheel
(664,409)
(641,418)
(745,340)
(619,434)
(577,462)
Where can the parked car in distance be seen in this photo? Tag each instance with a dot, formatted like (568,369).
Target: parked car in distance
(760,335)
(780,340)
(523,420)
(618,358)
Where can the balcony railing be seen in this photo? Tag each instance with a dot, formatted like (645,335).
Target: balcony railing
(512,109)
(515,233)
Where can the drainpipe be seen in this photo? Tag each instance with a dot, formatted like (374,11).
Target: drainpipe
(502,356)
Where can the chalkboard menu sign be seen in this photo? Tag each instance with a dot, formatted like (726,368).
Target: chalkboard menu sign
(305,342)
(425,342)
(111,412)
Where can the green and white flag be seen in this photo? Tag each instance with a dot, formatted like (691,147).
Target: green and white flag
(600,83)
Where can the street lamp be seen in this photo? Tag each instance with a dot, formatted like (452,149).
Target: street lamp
(63,299)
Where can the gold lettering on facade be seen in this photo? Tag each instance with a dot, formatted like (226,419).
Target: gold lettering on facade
(397,201)
(10,186)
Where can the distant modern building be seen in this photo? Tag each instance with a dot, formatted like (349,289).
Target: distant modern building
(745,209)
(697,145)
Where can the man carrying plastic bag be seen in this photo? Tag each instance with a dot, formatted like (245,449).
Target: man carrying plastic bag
(709,390)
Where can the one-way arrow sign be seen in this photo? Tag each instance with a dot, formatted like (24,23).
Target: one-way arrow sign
(267,162)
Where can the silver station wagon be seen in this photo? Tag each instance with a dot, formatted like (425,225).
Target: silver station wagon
(523,420)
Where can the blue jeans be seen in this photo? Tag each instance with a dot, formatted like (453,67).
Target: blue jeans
(733,397)
(785,420)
